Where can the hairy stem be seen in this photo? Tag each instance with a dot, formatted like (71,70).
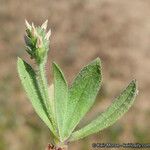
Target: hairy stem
(43,83)
(43,86)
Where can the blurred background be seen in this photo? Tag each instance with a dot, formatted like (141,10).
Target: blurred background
(116,31)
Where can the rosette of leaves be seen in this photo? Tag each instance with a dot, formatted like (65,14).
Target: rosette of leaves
(62,107)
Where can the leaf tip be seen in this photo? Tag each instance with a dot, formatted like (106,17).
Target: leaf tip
(55,66)
(97,60)
(19,60)
(135,86)
(133,83)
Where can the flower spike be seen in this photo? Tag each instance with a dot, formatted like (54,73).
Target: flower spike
(37,41)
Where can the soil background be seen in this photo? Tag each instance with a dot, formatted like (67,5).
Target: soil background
(117,31)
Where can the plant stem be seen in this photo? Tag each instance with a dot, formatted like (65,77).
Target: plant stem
(52,147)
(43,86)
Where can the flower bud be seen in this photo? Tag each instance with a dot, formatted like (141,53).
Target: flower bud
(27,25)
(37,41)
(44,25)
(48,35)
(33,31)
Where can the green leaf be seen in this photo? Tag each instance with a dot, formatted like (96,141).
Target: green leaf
(51,98)
(60,97)
(82,95)
(111,115)
(29,82)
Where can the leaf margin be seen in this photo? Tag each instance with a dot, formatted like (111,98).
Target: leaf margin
(23,71)
(79,134)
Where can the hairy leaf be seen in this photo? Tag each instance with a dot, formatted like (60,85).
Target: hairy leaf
(29,82)
(82,95)
(51,98)
(111,115)
(60,96)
